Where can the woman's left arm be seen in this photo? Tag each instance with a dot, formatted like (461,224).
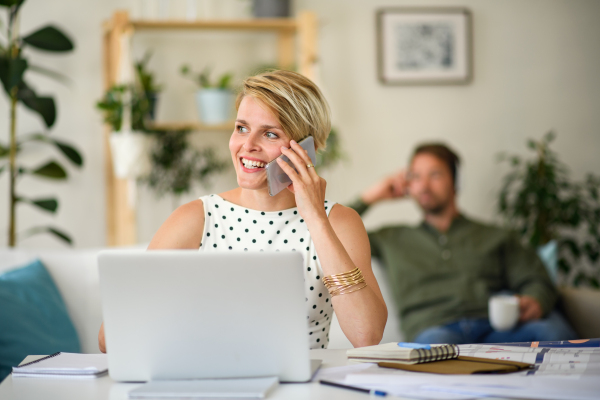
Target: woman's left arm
(342,244)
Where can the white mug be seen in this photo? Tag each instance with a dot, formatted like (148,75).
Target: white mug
(503,312)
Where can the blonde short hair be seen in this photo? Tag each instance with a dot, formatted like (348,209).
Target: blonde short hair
(295,100)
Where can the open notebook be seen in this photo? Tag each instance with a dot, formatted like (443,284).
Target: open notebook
(65,365)
(392,352)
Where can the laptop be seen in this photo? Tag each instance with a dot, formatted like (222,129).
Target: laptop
(184,314)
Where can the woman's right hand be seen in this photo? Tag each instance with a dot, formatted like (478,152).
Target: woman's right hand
(101,340)
(394,186)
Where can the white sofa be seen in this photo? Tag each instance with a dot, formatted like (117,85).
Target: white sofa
(75,272)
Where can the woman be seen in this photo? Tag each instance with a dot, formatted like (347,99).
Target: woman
(275,110)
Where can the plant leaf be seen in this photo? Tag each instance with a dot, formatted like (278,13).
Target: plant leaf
(11,72)
(8,3)
(51,74)
(4,151)
(48,204)
(51,170)
(49,38)
(44,106)
(46,229)
(69,151)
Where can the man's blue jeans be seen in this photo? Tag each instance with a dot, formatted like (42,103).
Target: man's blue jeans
(479,330)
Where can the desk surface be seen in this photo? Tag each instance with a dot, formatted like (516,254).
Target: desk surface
(106,389)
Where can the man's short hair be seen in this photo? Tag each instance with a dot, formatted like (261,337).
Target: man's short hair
(444,153)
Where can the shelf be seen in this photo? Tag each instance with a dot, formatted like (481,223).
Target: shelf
(191,125)
(264,24)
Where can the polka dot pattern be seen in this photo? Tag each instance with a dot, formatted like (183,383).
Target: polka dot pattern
(242,229)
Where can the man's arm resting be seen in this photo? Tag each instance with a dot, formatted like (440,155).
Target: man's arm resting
(527,275)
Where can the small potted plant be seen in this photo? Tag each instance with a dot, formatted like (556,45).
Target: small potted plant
(124,109)
(214,99)
(149,87)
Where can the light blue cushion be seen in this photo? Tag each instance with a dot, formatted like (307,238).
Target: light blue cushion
(33,317)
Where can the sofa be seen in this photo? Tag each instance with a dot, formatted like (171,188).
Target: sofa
(75,273)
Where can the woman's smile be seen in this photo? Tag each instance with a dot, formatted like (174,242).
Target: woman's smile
(250,164)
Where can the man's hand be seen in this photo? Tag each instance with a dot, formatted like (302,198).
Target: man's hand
(101,341)
(394,186)
(530,309)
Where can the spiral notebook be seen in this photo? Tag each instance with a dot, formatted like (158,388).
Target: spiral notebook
(391,352)
(64,365)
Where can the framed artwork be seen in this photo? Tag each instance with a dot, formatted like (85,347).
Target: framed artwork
(419,46)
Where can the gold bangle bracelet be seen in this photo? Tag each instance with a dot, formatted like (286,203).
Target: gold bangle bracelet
(344,283)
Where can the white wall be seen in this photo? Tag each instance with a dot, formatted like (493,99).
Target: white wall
(536,69)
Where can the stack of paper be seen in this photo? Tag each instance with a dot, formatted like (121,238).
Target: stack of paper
(561,373)
(65,365)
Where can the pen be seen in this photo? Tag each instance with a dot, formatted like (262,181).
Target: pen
(414,345)
(358,389)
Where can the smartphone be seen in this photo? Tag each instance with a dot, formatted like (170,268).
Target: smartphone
(276,178)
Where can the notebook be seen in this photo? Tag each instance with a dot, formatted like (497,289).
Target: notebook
(64,365)
(392,352)
(255,388)
(462,365)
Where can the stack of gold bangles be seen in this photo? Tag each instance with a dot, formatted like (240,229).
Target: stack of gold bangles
(345,283)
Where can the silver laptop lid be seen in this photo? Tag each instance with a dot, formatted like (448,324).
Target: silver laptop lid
(184,314)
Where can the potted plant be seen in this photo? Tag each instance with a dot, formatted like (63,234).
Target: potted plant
(542,204)
(176,166)
(149,87)
(124,108)
(271,8)
(13,66)
(214,99)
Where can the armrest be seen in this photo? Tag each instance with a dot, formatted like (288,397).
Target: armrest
(582,308)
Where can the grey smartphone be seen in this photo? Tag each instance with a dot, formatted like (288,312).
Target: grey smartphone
(276,178)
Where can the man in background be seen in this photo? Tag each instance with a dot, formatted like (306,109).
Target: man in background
(443,272)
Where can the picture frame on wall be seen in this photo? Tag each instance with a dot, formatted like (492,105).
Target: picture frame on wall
(424,46)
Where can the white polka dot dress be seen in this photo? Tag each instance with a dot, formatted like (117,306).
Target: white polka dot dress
(231,227)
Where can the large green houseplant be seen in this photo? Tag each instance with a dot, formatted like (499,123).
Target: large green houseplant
(13,66)
(542,203)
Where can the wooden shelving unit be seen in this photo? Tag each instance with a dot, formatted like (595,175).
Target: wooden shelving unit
(120,213)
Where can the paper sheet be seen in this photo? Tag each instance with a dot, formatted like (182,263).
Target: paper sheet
(577,370)
(571,363)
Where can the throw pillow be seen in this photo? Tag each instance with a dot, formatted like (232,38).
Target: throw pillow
(33,317)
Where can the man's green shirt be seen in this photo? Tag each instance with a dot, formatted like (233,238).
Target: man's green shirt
(438,278)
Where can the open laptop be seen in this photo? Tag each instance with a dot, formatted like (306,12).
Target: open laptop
(184,314)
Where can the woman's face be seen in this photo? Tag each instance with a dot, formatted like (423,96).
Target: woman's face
(256,140)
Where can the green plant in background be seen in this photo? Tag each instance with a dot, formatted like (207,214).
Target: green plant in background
(149,88)
(541,202)
(13,66)
(333,152)
(202,79)
(176,166)
(111,107)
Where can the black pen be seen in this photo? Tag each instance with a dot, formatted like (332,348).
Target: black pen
(358,389)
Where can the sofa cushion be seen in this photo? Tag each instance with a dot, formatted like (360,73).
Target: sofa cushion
(33,317)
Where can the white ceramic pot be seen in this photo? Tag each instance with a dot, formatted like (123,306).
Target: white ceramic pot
(215,106)
(130,154)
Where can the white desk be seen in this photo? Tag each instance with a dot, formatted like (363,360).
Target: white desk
(106,389)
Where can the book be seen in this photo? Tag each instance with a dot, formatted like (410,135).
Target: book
(256,388)
(64,365)
(462,365)
(392,352)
